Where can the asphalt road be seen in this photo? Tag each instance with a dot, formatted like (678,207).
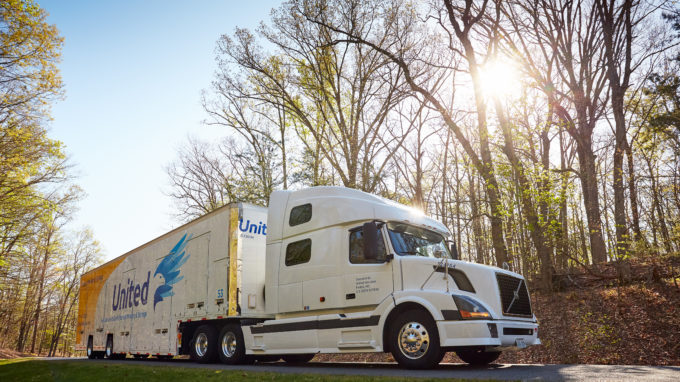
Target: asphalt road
(445,370)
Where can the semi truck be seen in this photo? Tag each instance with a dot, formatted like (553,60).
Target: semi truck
(321,270)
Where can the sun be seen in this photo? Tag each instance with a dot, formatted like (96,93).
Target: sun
(500,79)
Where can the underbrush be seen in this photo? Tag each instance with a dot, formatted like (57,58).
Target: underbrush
(636,324)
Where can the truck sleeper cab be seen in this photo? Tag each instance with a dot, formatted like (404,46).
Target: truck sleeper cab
(342,271)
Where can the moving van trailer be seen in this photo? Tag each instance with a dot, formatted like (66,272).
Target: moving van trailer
(322,270)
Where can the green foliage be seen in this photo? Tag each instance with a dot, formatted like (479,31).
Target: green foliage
(30,161)
(40,263)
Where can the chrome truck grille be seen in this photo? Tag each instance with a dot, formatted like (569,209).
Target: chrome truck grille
(514,296)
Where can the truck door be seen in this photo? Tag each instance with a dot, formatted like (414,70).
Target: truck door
(366,282)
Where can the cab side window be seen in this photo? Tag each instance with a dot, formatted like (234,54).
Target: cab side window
(300,214)
(356,249)
(298,252)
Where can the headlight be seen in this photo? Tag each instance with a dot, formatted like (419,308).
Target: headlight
(470,309)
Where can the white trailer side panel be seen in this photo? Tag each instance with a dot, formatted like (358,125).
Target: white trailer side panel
(183,275)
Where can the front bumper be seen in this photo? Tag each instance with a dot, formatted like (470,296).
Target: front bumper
(509,335)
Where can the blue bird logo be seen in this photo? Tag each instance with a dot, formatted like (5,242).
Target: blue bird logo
(169,269)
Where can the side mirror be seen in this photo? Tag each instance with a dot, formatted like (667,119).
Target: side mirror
(370,233)
(454,251)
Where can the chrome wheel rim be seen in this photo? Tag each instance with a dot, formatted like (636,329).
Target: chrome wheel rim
(201,345)
(414,340)
(229,344)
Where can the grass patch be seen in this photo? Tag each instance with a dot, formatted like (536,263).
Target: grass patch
(30,369)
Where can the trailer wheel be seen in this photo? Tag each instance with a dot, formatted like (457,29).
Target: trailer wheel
(414,340)
(109,347)
(230,345)
(90,346)
(204,344)
(297,359)
(478,356)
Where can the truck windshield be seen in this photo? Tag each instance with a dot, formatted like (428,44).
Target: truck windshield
(415,241)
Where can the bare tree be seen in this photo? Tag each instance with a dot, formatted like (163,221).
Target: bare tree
(82,252)
(416,53)
(340,95)
(560,46)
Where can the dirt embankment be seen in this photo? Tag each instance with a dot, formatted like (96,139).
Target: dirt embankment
(10,354)
(635,324)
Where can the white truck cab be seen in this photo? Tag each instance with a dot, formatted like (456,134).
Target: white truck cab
(333,270)
(347,271)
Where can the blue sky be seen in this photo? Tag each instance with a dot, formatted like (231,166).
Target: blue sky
(133,74)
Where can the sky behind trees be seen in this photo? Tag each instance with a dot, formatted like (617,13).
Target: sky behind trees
(133,74)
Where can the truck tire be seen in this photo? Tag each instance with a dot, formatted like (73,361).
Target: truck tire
(297,359)
(90,349)
(478,356)
(108,353)
(204,344)
(414,340)
(231,349)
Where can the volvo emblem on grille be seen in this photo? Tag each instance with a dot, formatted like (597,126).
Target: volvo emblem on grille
(515,296)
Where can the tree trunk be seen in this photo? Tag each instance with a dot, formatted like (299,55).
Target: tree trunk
(591,201)
(656,206)
(476,224)
(28,300)
(41,288)
(618,38)
(564,227)
(536,229)
(632,190)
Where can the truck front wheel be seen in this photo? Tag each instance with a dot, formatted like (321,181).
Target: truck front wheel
(204,344)
(232,350)
(478,356)
(414,340)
